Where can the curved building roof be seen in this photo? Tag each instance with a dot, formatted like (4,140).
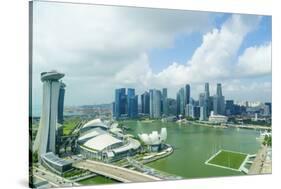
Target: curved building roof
(94,132)
(132,144)
(52,75)
(95,123)
(101,142)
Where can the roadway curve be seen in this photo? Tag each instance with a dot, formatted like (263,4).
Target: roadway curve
(114,172)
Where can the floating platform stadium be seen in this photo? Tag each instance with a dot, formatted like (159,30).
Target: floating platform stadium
(235,161)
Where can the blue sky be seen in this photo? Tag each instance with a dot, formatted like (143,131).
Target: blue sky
(100,48)
(185,45)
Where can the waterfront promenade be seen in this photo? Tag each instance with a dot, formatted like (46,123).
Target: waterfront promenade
(114,172)
(249,126)
(260,164)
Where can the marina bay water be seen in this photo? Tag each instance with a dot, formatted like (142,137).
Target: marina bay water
(194,144)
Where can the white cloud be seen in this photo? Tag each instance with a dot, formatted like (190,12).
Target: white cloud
(255,61)
(214,59)
(100,48)
(103,44)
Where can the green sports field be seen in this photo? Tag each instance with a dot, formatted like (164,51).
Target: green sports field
(228,159)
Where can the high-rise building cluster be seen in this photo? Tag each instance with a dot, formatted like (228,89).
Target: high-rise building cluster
(202,108)
(156,104)
(126,104)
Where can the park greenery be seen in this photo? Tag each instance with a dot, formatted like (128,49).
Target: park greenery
(34,157)
(74,172)
(267,141)
(69,124)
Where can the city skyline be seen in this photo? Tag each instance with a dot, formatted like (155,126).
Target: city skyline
(166,52)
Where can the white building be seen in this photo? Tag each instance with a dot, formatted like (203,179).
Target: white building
(96,141)
(154,140)
(217,119)
(45,140)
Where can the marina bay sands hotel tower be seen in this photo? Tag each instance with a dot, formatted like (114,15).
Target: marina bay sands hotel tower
(46,138)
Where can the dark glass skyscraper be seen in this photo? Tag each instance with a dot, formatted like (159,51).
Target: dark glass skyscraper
(178,103)
(269,107)
(145,103)
(130,92)
(120,102)
(202,99)
(172,106)
(229,107)
(61,103)
(187,94)
(182,101)
(155,103)
(207,90)
(219,104)
(207,99)
(133,106)
(131,102)
(165,101)
(219,89)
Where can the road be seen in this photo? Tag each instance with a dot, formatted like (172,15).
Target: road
(52,178)
(114,172)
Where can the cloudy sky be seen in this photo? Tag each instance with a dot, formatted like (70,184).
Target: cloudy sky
(100,48)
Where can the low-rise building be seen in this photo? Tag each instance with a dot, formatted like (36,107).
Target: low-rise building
(217,119)
(97,141)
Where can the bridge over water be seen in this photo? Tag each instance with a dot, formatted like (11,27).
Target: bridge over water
(114,172)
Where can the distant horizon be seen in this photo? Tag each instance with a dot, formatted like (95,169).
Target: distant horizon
(146,48)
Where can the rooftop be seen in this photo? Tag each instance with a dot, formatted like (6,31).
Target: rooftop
(52,158)
(95,122)
(52,75)
(101,142)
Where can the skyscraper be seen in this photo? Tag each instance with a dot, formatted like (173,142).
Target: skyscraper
(178,103)
(189,110)
(182,100)
(172,106)
(132,103)
(120,102)
(229,107)
(203,113)
(165,101)
(45,140)
(207,90)
(219,104)
(130,92)
(219,89)
(202,99)
(155,103)
(133,106)
(207,99)
(61,102)
(268,104)
(145,103)
(187,94)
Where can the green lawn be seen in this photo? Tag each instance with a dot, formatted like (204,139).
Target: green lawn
(68,125)
(228,159)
